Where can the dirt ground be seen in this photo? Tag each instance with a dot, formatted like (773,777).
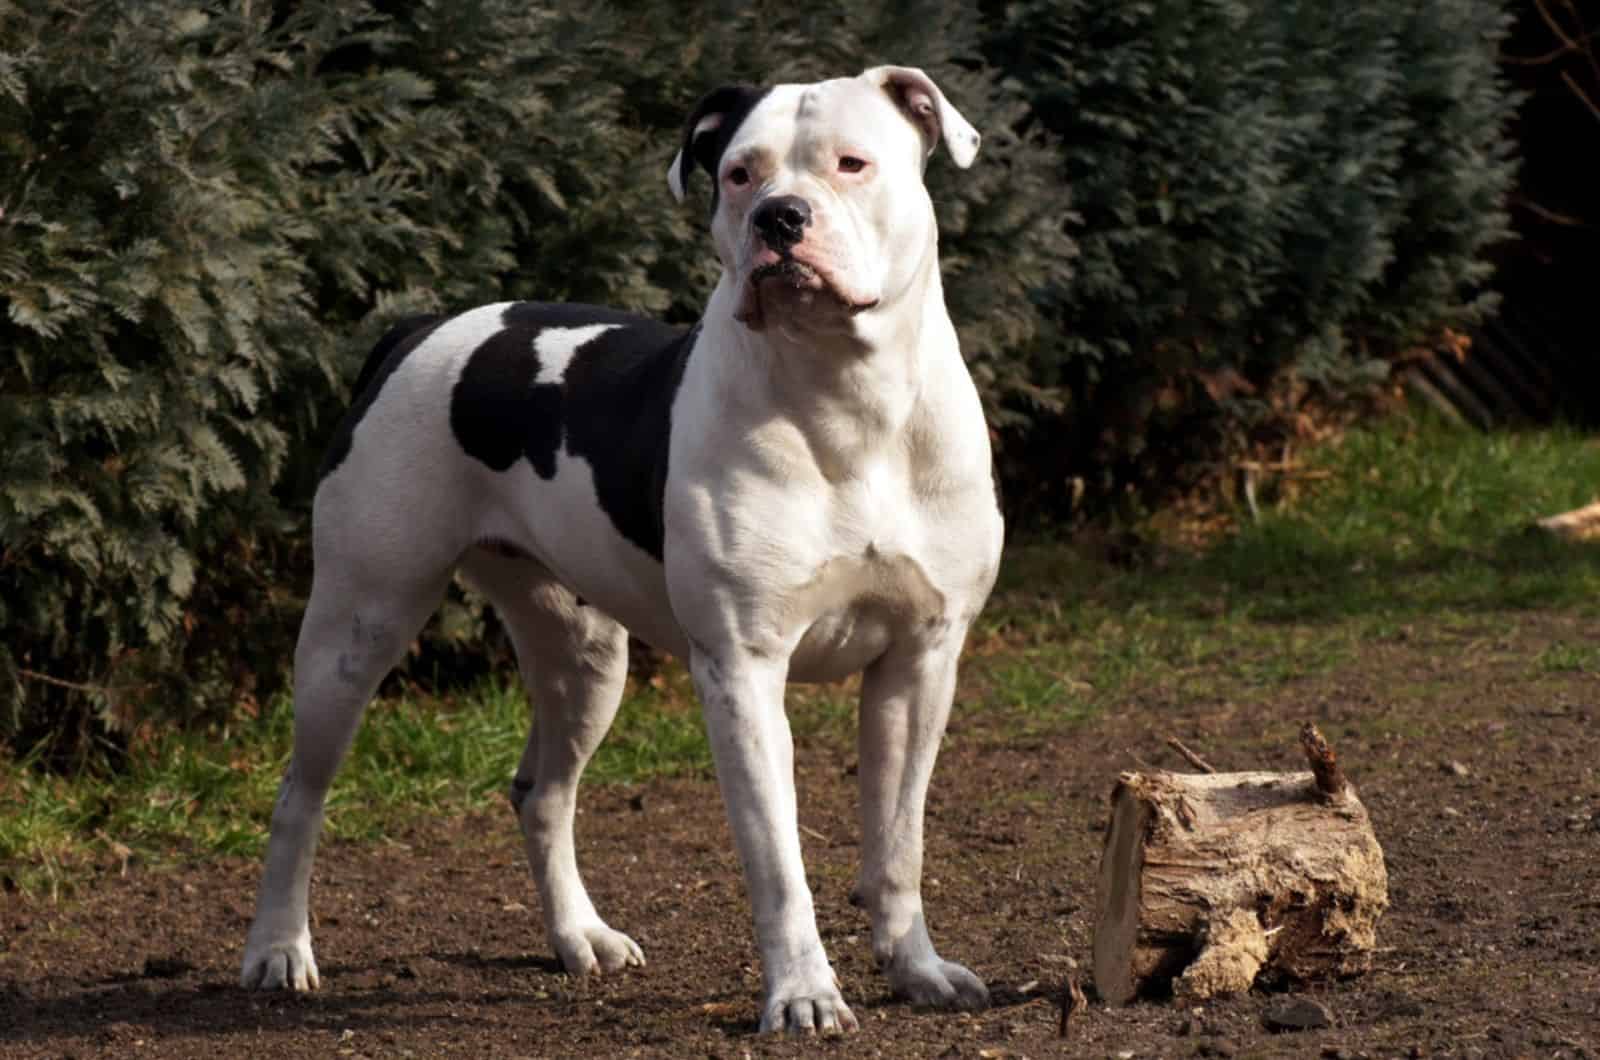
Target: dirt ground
(1483,787)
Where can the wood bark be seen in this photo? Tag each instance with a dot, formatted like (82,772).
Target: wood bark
(1580,524)
(1209,881)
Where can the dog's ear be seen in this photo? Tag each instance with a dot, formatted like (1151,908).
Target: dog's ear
(921,101)
(706,134)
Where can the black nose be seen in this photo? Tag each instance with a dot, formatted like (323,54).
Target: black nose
(781,220)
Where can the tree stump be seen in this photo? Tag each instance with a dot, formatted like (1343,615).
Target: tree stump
(1208,881)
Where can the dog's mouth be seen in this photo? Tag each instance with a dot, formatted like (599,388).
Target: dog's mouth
(794,285)
(796,274)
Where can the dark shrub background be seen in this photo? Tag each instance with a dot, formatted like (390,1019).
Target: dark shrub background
(1183,212)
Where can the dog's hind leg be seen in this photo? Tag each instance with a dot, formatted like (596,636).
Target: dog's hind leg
(361,616)
(574,660)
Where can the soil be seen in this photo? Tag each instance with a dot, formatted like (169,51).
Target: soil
(1479,769)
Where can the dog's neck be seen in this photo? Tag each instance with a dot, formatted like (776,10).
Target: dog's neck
(852,392)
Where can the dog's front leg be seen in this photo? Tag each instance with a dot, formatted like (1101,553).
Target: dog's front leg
(905,702)
(754,752)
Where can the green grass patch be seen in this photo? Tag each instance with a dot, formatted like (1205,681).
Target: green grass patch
(184,794)
(1562,657)
(1410,523)
(1419,517)
(1416,532)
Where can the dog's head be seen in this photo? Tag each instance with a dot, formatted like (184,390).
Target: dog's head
(818,207)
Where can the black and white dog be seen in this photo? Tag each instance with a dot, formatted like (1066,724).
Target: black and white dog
(796,489)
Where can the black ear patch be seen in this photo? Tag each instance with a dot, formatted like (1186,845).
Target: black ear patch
(733,103)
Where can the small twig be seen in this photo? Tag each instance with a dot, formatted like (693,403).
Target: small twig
(1286,470)
(1072,1003)
(1324,763)
(74,686)
(1537,60)
(1249,477)
(818,836)
(1193,759)
(1545,214)
(1583,97)
(1556,27)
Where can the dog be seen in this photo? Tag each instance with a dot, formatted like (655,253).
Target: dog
(797,488)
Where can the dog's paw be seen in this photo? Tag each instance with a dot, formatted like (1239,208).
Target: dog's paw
(824,1012)
(933,982)
(595,948)
(280,966)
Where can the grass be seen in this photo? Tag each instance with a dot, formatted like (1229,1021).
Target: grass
(1414,529)
(183,794)
(1562,657)
(1407,524)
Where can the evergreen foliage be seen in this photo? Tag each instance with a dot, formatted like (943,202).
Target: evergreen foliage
(1263,193)
(211,211)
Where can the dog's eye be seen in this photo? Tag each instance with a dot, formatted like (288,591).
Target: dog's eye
(739,176)
(851,164)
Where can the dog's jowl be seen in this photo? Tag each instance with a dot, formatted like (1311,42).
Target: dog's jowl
(797,488)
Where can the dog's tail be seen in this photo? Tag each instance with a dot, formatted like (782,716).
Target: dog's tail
(403,329)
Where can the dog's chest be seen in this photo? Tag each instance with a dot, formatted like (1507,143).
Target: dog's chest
(878,565)
(856,606)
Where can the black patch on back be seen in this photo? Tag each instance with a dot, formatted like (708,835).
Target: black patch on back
(405,336)
(613,407)
(734,103)
(496,411)
(620,390)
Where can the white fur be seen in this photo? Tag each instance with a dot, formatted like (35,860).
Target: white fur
(556,346)
(828,509)
(960,138)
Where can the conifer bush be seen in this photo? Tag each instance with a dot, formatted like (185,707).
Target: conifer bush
(211,212)
(1264,193)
